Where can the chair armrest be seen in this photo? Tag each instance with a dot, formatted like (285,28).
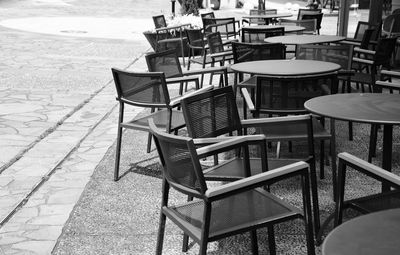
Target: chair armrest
(206,70)
(351,42)
(363,61)
(210,140)
(388,85)
(228,144)
(180,79)
(265,121)
(247,99)
(391,73)
(256,180)
(369,168)
(221,54)
(371,52)
(177,101)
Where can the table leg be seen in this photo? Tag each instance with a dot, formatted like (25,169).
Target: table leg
(333,147)
(387,151)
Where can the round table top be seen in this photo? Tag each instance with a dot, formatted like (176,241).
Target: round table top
(374,108)
(268,16)
(285,67)
(287,28)
(374,233)
(304,39)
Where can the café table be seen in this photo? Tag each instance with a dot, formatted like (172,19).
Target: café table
(370,108)
(287,28)
(268,16)
(371,234)
(304,39)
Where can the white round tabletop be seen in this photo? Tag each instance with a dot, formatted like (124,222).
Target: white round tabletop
(287,28)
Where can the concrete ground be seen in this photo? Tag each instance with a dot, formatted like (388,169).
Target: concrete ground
(57,110)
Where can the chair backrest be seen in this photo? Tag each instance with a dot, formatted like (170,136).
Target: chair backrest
(339,54)
(141,89)
(285,96)
(301,12)
(164,61)
(195,37)
(243,52)
(181,167)
(212,113)
(310,25)
(384,50)
(207,19)
(391,24)
(362,26)
(316,16)
(396,11)
(159,21)
(256,20)
(214,42)
(257,35)
(367,37)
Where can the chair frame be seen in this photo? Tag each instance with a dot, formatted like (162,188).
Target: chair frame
(267,32)
(212,24)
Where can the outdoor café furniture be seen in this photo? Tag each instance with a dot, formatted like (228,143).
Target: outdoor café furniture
(304,39)
(370,108)
(244,52)
(268,17)
(361,28)
(255,34)
(167,35)
(228,27)
(168,63)
(258,21)
(147,90)
(391,25)
(314,16)
(371,234)
(309,26)
(303,11)
(229,209)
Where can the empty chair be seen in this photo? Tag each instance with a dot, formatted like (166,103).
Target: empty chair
(310,25)
(316,16)
(149,91)
(226,210)
(228,27)
(257,35)
(359,34)
(301,12)
(256,21)
(391,25)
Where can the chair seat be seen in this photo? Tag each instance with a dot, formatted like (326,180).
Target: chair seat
(253,208)
(283,132)
(361,78)
(160,119)
(232,169)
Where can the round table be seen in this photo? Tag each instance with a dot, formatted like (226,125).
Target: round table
(268,16)
(285,67)
(371,234)
(304,39)
(371,108)
(287,28)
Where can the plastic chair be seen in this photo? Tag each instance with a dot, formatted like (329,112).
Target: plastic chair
(214,114)
(253,34)
(227,27)
(170,35)
(243,52)
(146,90)
(226,210)
(369,203)
(168,63)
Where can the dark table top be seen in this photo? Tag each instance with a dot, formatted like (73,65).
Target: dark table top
(371,234)
(371,108)
(304,39)
(284,67)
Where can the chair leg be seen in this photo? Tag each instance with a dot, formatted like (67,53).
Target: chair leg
(160,236)
(372,142)
(271,240)
(254,242)
(350,131)
(322,160)
(118,154)
(149,143)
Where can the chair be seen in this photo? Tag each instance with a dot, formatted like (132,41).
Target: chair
(301,12)
(168,36)
(281,96)
(168,63)
(243,52)
(226,210)
(149,91)
(228,27)
(359,35)
(215,114)
(256,21)
(252,34)
(368,203)
(391,25)
(316,16)
(310,25)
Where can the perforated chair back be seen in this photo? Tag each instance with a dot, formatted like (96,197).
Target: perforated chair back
(212,113)
(141,89)
(159,21)
(254,34)
(301,12)
(284,96)
(195,38)
(214,41)
(180,169)
(310,25)
(243,52)
(391,25)
(164,61)
(207,20)
(256,20)
(316,16)
(339,54)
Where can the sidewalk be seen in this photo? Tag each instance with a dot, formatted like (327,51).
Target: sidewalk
(57,110)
